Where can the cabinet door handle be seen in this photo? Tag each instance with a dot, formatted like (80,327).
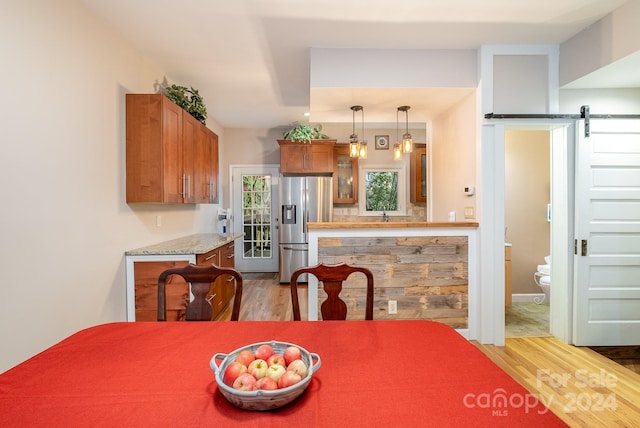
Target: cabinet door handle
(184,186)
(211,256)
(230,256)
(189,186)
(211,297)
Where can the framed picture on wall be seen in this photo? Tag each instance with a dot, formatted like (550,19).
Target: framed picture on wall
(382,142)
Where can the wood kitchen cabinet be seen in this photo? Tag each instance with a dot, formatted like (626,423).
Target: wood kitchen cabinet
(146,291)
(145,285)
(171,156)
(228,283)
(345,176)
(315,157)
(205,170)
(418,173)
(223,290)
(214,296)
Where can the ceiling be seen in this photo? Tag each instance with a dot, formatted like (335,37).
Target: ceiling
(250,58)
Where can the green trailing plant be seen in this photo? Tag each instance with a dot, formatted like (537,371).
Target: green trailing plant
(304,133)
(189,99)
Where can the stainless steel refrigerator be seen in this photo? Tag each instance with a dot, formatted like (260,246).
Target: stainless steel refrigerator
(302,200)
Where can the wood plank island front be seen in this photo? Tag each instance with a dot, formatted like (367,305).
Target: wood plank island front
(429,269)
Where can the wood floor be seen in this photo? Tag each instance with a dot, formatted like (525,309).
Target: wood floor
(582,387)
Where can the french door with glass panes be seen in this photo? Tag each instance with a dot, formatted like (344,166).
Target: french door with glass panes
(254,197)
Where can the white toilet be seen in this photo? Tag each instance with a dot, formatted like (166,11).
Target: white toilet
(542,277)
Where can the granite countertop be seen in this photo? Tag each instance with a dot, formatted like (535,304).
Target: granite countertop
(193,244)
(389,225)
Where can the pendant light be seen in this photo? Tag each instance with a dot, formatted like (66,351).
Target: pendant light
(397,147)
(354,144)
(407,141)
(362,153)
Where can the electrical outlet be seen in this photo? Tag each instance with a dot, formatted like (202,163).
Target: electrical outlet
(393,307)
(158,221)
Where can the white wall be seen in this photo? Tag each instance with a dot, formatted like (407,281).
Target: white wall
(601,101)
(65,224)
(378,68)
(612,38)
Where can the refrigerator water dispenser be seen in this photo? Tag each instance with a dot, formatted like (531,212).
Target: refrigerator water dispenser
(288,214)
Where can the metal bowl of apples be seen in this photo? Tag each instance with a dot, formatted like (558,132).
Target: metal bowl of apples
(264,375)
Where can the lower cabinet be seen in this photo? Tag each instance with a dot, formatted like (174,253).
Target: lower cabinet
(214,296)
(145,285)
(223,290)
(228,283)
(145,276)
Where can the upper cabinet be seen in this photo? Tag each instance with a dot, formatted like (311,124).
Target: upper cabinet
(311,158)
(418,172)
(171,156)
(345,176)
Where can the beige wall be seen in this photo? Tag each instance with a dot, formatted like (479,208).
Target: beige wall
(453,150)
(527,193)
(64,219)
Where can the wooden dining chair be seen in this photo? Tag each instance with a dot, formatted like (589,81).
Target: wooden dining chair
(332,277)
(200,278)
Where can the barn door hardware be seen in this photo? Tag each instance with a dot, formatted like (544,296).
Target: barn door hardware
(583,249)
(584,113)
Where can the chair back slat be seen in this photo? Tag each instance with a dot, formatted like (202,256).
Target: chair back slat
(332,277)
(200,278)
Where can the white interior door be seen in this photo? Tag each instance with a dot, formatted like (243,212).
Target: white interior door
(607,222)
(254,196)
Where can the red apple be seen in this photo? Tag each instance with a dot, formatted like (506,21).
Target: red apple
(299,367)
(232,372)
(257,368)
(275,371)
(244,382)
(266,383)
(289,378)
(292,353)
(276,359)
(245,357)
(264,352)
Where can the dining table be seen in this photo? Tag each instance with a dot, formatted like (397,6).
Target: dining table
(381,373)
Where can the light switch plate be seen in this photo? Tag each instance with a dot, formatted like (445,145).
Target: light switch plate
(469,212)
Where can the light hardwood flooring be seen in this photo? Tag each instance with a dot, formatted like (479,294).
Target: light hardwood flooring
(582,387)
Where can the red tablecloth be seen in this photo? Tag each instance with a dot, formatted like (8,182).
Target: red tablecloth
(373,374)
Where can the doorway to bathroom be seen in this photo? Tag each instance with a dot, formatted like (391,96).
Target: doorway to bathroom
(527,231)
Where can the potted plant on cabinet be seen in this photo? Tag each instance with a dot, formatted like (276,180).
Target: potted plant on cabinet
(189,99)
(304,133)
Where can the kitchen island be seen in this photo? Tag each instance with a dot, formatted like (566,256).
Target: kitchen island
(144,265)
(430,270)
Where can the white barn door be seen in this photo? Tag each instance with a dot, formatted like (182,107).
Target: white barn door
(607,231)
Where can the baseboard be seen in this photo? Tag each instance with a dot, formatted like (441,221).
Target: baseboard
(528,297)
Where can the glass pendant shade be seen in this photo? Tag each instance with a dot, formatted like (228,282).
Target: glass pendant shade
(354,144)
(362,153)
(397,152)
(354,147)
(407,141)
